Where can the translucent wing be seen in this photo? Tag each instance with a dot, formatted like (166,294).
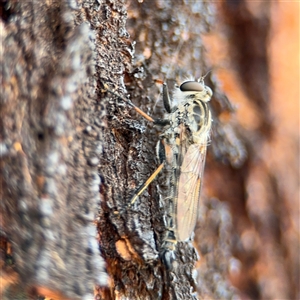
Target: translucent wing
(189,187)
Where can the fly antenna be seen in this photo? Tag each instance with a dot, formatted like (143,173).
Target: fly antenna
(201,79)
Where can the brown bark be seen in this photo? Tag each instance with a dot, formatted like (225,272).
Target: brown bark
(260,46)
(64,139)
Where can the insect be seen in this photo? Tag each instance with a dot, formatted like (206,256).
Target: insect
(182,148)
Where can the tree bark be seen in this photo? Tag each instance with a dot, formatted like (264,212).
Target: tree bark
(71,150)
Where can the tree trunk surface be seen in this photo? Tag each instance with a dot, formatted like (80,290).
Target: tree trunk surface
(72,153)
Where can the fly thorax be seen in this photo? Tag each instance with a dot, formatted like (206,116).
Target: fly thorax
(177,116)
(199,118)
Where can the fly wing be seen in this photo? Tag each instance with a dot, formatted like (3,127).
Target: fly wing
(189,187)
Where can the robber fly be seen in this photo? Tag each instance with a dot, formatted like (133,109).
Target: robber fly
(182,147)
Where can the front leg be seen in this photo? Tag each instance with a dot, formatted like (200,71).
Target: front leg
(160,122)
(166,98)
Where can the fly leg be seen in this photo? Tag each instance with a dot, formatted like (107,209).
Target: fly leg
(166,96)
(145,185)
(160,122)
(139,111)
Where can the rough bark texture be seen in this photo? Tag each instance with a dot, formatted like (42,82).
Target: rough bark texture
(49,175)
(70,150)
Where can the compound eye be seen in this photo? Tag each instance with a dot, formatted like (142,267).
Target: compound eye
(191,86)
